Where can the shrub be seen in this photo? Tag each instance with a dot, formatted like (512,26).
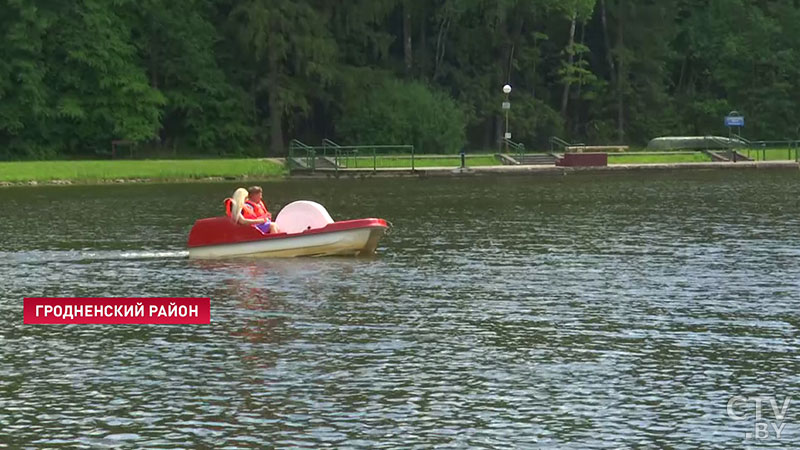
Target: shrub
(397,112)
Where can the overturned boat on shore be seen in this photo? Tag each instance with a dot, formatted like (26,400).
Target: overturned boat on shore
(695,143)
(306,229)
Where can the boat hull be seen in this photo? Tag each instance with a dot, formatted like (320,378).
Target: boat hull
(215,238)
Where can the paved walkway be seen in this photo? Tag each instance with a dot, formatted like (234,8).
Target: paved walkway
(544,169)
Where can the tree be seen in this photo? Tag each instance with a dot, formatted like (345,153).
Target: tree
(740,55)
(100,93)
(176,45)
(290,54)
(400,113)
(576,11)
(232,76)
(23,90)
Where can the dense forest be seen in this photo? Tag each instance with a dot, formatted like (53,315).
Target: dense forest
(245,77)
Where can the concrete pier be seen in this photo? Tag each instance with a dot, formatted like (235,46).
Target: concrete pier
(539,169)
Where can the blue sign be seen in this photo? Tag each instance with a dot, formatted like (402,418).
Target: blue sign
(734,121)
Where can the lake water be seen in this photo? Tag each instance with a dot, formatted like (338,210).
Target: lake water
(586,311)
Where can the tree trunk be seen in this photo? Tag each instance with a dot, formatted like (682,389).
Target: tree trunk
(488,132)
(621,75)
(515,38)
(499,124)
(612,71)
(576,118)
(423,64)
(440,46)
(682,76)
(254,116)
(407,50)
(570,61)
(275,106)
(162,133)
(153,73)
(533,69)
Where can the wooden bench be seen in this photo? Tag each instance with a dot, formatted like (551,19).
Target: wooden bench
(595,148)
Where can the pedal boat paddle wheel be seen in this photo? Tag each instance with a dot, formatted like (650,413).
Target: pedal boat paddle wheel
(306,230)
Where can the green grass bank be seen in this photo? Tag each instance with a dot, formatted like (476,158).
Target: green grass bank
(166,170)
(155,170)
(644,158)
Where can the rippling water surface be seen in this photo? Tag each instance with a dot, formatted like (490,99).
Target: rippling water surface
(587,311)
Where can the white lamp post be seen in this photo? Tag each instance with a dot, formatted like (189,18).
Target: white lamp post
(506,108)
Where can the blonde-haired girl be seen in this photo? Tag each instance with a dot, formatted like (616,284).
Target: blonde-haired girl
(239,212)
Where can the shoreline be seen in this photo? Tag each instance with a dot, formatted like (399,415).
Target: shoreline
(422,173)
(105,182)
(543,169)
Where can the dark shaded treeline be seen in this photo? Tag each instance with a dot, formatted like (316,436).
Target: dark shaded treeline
(246,76)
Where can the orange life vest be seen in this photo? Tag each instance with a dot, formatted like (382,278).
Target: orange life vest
(248,212)
(259,208)
(228,205)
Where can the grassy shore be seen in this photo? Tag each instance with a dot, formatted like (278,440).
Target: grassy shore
(644,158)
(770,154)
(402,161)
(157,170)
(199,169)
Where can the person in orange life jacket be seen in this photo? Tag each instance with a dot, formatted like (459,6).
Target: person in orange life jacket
(240,212)
(254,200)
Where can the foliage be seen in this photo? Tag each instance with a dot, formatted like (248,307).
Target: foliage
(229,76)
(397,112)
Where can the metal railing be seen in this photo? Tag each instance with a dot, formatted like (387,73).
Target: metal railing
(306,152)
(790,146)
(556,141)
(342,156)
(757,150)
(518,148)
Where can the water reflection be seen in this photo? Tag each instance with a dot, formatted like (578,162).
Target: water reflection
(578,312)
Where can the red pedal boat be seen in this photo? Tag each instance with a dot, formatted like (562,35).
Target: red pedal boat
(306,230)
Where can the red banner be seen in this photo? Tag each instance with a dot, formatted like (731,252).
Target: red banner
(133,310)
